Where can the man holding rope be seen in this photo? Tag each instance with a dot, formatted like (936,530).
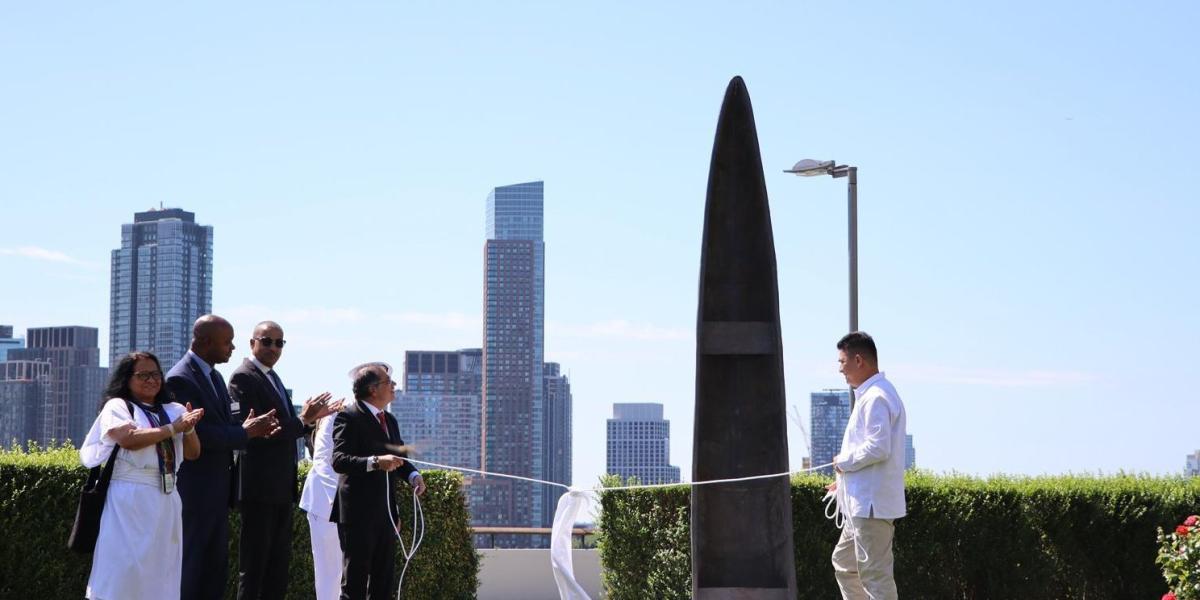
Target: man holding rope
(870,475)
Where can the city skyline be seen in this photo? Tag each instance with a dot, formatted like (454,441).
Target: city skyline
(1013,269)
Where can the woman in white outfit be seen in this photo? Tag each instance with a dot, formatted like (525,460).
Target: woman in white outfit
(139,550)
(320,487)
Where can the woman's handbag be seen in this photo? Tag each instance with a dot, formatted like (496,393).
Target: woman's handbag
(91,504)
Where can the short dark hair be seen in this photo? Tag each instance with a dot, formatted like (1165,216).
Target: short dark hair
(366,379)
(118,382)
(859,342)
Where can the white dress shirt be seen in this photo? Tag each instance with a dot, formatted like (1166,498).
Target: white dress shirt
(873,449)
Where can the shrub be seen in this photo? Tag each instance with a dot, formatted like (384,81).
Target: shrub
(39,490)
(1179,556)
(964,538)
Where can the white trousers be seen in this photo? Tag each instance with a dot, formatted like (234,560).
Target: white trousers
(327,557)
(865,572)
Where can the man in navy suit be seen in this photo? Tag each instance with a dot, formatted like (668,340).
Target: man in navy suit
(205,483)
(268,490)
(364,441)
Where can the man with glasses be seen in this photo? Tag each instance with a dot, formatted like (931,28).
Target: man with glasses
(267,487)
(365,438)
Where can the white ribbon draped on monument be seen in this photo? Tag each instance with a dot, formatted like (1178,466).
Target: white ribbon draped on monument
(573,502)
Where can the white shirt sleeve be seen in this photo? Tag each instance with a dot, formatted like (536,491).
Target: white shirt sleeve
(97,446)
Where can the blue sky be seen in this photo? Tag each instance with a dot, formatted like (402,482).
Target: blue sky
(1027,203)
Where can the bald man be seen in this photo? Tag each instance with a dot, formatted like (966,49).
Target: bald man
(205,484)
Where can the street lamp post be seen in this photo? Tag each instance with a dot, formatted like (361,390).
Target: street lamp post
(813,168)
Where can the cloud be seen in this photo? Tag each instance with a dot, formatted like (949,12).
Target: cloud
(37,253)
(620,329)
(993,377)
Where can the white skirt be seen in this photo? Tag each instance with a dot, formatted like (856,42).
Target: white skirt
(139,552)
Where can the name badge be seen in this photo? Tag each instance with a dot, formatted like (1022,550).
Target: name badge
(168,482)
(235,407)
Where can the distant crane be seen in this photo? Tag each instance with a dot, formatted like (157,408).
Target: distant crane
(795,415)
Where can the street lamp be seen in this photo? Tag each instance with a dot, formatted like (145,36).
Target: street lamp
(812,168)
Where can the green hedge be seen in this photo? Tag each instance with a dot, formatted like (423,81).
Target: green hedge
(964,538)
(38,495)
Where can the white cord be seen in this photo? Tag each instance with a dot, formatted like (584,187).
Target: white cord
(418,534)
(835,500)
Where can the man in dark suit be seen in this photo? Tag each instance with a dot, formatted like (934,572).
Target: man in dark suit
(205,483)
(267,469)
(367,470)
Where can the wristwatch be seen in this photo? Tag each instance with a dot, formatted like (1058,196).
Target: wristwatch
(372,463)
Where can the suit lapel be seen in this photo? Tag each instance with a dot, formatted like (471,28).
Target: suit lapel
(374,422)
(206,384)
(265,380)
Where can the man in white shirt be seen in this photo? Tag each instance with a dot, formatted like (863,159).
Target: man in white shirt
(870,476)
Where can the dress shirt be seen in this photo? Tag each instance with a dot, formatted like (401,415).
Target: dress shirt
(207,369)
(873,449)
(375,412)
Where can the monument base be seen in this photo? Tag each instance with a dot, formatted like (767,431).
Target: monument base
(742,593)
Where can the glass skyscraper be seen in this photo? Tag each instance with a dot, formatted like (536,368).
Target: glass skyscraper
(514,315)
(76,378)
(24,390)
(161,283)
(639,444)
(910,453)
(830,414)
(8,342)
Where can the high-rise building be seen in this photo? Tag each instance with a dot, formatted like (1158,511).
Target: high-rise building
(24,388)
(830,412)
(910,453)
(514,314)
(1192,469)
(76,378)
(639,444)
(556,391)
(438,410)
(161,283)
(8,342)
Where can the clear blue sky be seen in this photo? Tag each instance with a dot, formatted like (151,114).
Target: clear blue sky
(1027,190)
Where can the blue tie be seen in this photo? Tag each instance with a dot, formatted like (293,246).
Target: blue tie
(279,387)
(222,393)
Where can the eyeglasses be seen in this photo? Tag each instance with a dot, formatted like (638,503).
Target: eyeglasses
(148,375)
(268,342)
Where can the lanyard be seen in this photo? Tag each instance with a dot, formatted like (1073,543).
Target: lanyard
(164,450)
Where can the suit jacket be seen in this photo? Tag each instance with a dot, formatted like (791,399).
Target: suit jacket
(267,469)
(205,483)
(361,494)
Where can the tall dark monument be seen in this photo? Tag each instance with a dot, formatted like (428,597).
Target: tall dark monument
(741,532)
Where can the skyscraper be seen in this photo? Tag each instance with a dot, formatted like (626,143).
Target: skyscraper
(556,431)
(1192,468)
(76,378)
(910,453)
(161,283)
(830,412)
(8,342)
(514,314)
(24,388)
(639,444)
(439,409)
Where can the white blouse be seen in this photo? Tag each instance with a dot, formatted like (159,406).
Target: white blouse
(97,446)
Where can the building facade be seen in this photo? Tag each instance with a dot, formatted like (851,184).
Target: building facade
(24,389)
(830,413)
(556,431)
(76,378)
(910,453)
(514,314)
(639,444)
(439,409)
(161,283)
(1192,468)
(8,342)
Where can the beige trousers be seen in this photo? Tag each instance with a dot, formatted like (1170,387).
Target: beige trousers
(865,573)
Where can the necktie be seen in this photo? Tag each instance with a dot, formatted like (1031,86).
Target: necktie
(222,393)
(383,423)
(279,387)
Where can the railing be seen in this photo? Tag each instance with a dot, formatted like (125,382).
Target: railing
(582,537)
